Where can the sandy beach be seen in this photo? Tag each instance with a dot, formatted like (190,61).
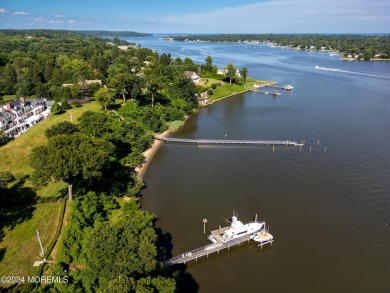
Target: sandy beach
(148,155)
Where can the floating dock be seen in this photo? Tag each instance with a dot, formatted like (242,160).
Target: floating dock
(230,142)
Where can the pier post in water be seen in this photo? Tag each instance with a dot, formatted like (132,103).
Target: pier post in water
(204,225)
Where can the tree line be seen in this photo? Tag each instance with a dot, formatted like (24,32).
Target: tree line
(366,46)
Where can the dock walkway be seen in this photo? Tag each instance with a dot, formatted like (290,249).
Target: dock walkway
(205,251)
(230,142)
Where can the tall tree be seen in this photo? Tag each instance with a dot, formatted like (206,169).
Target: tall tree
(244,73)
(209,61)
(231,71)
(70,158)
(105,96)
(152,86)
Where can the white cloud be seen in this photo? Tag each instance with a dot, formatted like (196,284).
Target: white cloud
(21,13)
(38,19)
(280,16)
(71,21)
(54,21)
(59,16)
(2,10)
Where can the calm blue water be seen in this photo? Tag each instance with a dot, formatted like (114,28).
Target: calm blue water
(329,212)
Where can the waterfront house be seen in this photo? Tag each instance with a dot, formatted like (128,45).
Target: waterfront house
(21,114)
(202,99)
(195,78)
(223,71)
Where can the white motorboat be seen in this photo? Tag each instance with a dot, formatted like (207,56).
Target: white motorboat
(236,230)
(288,87)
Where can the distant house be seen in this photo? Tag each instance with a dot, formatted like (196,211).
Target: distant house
(195,78)
(202,99)
(21,114)
(223,71)
(87,81)
(81,101)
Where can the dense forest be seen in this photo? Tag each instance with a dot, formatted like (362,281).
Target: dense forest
(363,47)
(39,63)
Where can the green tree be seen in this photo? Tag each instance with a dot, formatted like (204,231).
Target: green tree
(244,73)
(125,249)
(8,80)
(56,109)
(93,124)
(3,137)
(65,105)
(69,158)
(209,61)
(64,127)
(105,97)
(152,85)
(136,87)
(231,71)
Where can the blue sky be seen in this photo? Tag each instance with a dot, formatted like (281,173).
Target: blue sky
(200,16)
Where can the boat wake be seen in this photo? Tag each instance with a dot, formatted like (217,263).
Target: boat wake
(361,73)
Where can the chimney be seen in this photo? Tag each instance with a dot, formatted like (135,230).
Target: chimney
(22,99)
(9,108)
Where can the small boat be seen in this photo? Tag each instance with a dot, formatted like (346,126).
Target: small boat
(275,93)
(263,237)
(288,87)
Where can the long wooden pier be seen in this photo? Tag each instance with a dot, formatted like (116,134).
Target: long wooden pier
(205,251)
(230,142)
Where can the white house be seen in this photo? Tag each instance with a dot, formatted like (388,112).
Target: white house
(195,78)
(224,71)
(21,114)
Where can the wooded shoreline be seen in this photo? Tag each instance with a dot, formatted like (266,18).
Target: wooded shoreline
(362,47)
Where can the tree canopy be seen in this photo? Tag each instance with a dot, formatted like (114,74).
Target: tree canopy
(70,158)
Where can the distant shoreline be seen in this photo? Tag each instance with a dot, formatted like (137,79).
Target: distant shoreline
(372,47)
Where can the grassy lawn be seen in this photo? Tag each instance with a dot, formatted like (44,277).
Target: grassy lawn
(20,243)
(174,125)
(15,154)
(231,89)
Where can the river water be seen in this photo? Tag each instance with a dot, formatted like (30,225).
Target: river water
(329,211)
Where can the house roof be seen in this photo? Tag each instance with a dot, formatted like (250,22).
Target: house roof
(189,73)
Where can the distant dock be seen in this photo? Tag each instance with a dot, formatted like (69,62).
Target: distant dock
(230,142)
